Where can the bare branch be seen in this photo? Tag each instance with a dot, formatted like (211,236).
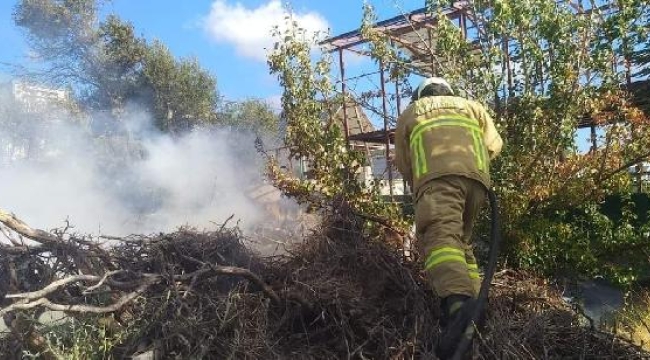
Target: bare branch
(11,221)
(231,270)
(250,276)
(102,281)
(52,287)
(17,250)
(9,237)
(379,220)
(80,308)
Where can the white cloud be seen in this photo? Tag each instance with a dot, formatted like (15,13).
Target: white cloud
(249,29)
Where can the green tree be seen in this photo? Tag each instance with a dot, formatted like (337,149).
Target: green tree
(107,65)
(183,94)
(253,115)
(94,61)
(545,67)
(312,133)
(641,53)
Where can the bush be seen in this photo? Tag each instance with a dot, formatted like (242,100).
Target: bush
(608,239)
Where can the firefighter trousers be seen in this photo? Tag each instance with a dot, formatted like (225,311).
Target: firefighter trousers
(445,212)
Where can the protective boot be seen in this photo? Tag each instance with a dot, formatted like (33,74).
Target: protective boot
(456,316)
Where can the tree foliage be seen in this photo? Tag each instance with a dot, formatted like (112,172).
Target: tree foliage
(73,50)
(252,115)
(312,133)
(544,68)
(108,66)
(183,93)
(640,44)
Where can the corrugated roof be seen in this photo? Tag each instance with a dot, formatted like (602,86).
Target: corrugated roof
(358,121)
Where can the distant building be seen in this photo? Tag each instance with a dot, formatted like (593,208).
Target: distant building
(388,178)
(37,98)
(29,114)
(376,172)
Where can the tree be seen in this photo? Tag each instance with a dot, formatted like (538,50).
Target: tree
(252,115)
(107,65)
(183,94)
(313,134)
(544,67)
(95,61)
(640,55)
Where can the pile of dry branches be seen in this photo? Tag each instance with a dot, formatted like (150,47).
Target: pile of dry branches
(339,294)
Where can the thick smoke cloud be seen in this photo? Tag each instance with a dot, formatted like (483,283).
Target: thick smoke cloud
(118,180)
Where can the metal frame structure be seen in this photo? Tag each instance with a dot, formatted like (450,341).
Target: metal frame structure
(411,33)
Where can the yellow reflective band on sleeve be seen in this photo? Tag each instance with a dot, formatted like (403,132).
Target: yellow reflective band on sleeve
(444,254)
(474,275)
(486,156)
(416,160)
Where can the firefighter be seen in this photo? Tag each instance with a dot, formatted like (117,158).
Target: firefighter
(443,147)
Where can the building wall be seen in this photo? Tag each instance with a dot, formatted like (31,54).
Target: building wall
(27,112)
(37,98)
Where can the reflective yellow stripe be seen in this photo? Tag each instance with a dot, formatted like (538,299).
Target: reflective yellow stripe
(478,151)
(417,143)
(472,270)
(446,249)
(444,254)
(422,167)
(443,259)
(445,120)
(482,152)
(486,157)
(419,158)
(416,161)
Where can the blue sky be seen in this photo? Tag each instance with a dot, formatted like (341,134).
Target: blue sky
(226,36)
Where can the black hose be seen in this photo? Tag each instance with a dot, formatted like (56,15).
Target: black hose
(495,240)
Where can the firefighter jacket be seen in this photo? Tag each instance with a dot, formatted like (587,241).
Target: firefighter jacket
(445,135)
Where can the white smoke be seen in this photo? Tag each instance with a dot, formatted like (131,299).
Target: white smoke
(134,180)
(201,178)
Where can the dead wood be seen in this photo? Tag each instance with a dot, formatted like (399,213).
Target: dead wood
(339,294)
